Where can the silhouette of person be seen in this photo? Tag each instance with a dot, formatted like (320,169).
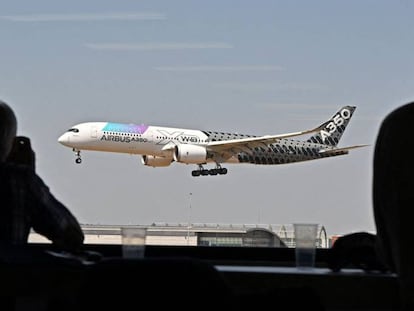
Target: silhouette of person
(25,200)
(393,197)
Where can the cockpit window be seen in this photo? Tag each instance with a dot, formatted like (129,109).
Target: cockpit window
(75,130)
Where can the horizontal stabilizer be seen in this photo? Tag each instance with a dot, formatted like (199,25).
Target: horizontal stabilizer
(341,150)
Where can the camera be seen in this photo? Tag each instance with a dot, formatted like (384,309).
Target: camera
(22,152)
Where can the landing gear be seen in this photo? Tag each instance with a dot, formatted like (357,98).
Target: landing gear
(204,172)
(78,159)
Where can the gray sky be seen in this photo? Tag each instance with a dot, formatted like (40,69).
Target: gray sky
(253,67)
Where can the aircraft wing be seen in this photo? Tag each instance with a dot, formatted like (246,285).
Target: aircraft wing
(227,148)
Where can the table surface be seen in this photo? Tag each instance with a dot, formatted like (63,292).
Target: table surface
(300,271)
(348,289)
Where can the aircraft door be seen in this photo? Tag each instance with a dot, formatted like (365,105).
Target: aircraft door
(94,132)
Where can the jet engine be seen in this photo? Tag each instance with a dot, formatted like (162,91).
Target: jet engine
(190,154)
(155,161)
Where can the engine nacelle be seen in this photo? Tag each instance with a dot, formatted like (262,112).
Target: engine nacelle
(154,161)
(190,154)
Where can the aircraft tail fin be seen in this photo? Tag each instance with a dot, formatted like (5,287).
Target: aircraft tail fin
(333,129)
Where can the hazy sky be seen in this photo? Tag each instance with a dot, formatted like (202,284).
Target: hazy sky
(253,67)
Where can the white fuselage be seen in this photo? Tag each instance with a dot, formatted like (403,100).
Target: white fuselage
(130,138)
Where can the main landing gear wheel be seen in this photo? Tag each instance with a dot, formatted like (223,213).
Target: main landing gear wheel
(212,172)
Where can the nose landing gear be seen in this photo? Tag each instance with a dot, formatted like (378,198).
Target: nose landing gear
(78,159)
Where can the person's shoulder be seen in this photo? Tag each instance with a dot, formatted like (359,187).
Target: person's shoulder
(13,169)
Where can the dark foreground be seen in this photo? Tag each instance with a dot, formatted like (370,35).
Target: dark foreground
(215,278)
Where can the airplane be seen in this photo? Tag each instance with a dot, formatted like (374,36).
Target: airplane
(160,146)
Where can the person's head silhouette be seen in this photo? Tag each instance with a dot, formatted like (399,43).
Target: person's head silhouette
(8,130)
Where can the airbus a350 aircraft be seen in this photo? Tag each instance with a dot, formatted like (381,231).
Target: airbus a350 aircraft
(160,146)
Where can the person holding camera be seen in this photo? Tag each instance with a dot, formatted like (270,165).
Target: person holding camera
(26,202)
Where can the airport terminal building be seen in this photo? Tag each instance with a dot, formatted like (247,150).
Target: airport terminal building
(196,234)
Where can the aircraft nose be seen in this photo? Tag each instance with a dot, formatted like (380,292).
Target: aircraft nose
(64,139)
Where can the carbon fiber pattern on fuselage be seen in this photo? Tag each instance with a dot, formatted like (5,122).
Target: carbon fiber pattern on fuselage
(285,151)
